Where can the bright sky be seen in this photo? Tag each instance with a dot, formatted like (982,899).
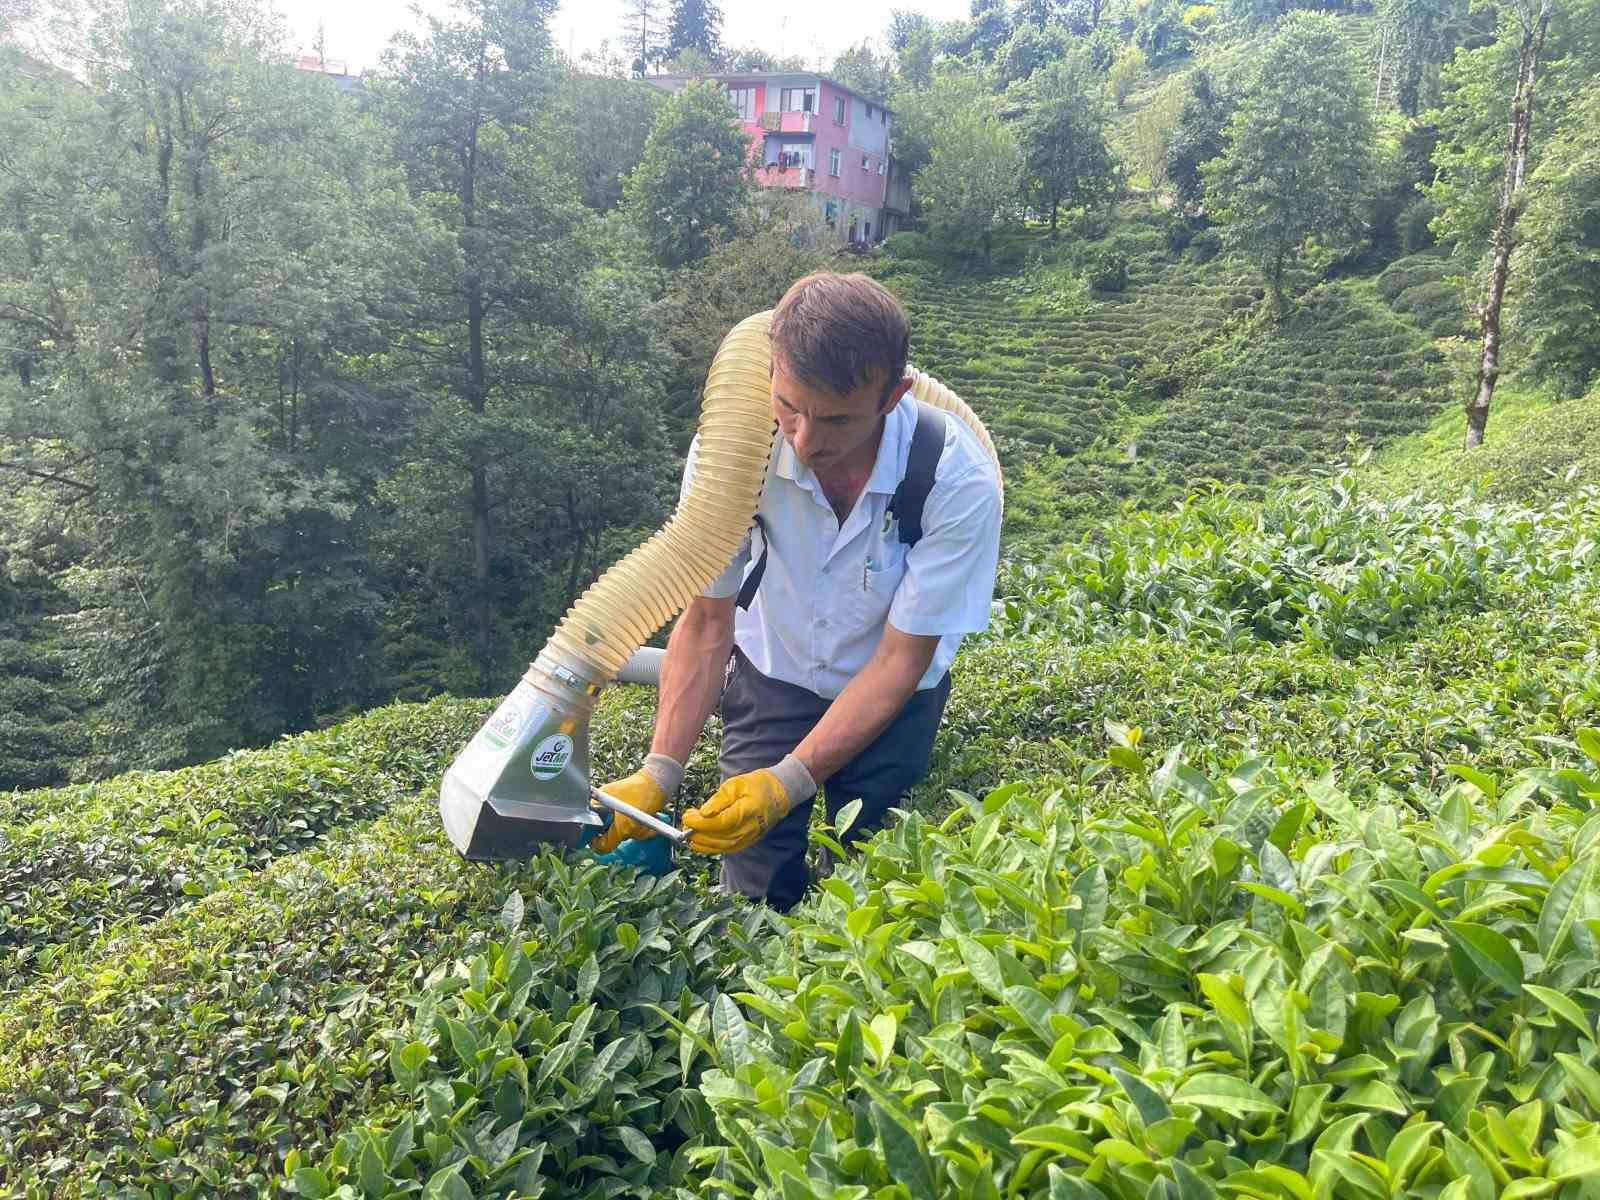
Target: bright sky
(357,30)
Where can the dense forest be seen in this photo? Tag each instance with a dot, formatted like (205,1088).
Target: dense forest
(319,398)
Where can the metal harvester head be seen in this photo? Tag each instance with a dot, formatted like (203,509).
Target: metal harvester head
(523,780)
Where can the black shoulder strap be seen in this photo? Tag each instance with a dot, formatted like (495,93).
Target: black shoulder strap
(927,443)
(747,590)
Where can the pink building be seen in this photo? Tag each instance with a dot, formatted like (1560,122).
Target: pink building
(816,135)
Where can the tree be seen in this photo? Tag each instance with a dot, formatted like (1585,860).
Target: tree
(468,106)
(696,25)
(643,34)
(1557,311)
(192,246)
(1127,72)
(754,58)
(918,115)
(1413,37)
(985,35)
(1531,25)
(1155,129)
(916,57)
(693,184)
(972,176)
(1297,152)
(1030,48)
(608,121)
(1199,136)
(1063,138)
(903,26)
(1041,14)
(868,74)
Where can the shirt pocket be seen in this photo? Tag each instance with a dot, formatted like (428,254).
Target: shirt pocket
(877,578)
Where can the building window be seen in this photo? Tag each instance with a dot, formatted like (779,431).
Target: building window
(833,162)
(795,154)
(798,100)
(882,164)
(883,116)
(838,110)
(866,163)
(744,101)
(830,212)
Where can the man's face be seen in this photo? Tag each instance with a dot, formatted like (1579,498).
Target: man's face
(828,430)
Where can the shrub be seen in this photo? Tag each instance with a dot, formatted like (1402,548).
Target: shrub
(1555,451)
(76,860)
(1205,245)
(1436,306)
(1409,272)
(909,244)
(1109,271)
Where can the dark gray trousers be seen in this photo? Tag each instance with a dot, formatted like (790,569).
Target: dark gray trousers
(764,719)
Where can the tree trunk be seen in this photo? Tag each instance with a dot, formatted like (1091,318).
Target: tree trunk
(1055,203)
(1510,206)
(477,398)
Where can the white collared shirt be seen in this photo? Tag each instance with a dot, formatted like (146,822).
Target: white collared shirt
(828,591)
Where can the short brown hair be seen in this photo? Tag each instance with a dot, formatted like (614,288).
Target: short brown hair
(841,331)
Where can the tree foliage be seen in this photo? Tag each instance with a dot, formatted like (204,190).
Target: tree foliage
(1063,138)
(191,249)
(865,71)
(696,25)
(692,186)
(1551,301)
(1199,136)
(1557,307)
(609,120)
(973,173)
(1297,149)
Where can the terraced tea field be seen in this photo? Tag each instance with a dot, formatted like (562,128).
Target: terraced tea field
(1344,368)
(1138,397)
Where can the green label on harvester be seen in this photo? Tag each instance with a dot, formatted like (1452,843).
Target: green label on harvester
(506,723)
(550,756)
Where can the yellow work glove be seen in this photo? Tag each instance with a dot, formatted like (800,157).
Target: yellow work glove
(647,789)
(748,805)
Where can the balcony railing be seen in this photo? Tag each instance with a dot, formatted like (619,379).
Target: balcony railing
(786,122)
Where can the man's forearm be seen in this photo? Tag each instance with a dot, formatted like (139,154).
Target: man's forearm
(691,677)
(868,705)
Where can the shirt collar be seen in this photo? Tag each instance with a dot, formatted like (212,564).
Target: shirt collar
(894,448)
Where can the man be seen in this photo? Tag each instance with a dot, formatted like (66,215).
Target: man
(842,640)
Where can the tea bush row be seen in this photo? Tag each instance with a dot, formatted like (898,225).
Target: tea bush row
(206,1049)
(1322,563)
(1496,689)
(1240,986)
(75,861)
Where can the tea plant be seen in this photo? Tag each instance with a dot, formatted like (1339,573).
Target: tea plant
(1243,987)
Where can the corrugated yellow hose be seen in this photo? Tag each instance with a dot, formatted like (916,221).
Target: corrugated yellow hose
(644,591)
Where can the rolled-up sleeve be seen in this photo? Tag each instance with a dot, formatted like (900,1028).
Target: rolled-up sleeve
(727,583)
(949,581)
